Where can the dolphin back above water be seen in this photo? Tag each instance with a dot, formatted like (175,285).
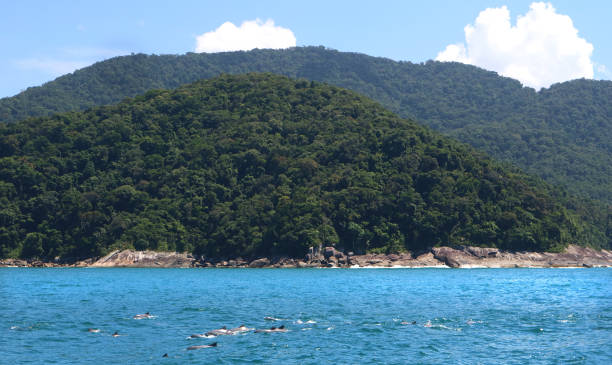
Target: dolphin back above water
(201,335)
(223,331)
(272,329)
(214,344)
(241,328)
(143,316)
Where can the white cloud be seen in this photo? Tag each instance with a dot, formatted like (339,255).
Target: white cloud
(249,35)
(603,70)
(541,49)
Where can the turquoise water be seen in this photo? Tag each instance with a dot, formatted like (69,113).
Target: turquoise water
(478,316)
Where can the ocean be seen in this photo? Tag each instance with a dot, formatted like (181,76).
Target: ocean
(333,316)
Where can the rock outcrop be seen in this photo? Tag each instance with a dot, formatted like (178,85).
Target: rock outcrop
(572,256)
(457,257)
(394,260)
(259,263)
(129,258)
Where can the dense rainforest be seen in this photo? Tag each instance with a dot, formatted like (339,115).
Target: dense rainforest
(261,164)
(563,134)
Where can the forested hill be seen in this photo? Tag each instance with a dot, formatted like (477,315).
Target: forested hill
(261,164)
(562,134)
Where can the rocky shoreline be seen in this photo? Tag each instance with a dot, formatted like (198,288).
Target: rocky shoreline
(329,257)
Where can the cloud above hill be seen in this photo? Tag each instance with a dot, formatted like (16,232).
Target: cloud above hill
(542,48)
(249,35)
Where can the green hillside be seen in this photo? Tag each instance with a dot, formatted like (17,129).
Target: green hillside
(263,165)
(563,134)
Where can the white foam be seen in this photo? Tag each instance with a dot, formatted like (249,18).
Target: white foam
(400,267)
(273,319)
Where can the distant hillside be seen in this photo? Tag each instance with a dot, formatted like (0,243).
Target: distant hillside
(263,165)
(562,134)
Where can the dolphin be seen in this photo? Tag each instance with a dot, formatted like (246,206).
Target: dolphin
(272,329)
(143,316)
(214,344)
(219,332)
(241,328)
(201,335)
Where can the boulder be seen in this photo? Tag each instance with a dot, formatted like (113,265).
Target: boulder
(129,258)
(480,252)
(242,261)
(260,263)
(450,262)
(329,252)
(375,261)
(449,256)
(393,257)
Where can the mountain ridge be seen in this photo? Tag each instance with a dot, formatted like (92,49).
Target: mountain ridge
(264,165)
(562,133)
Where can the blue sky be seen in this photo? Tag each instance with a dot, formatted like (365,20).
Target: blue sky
(42,40)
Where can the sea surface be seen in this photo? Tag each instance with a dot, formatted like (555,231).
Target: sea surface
(334,316)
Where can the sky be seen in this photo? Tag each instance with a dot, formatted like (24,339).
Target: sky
(538,43)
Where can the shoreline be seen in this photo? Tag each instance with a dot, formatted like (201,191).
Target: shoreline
(466,257)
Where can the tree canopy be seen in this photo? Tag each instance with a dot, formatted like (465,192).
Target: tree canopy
(260,164)
(562,134)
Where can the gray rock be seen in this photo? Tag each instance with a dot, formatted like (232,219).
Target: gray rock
(329,252)
(393,257)
(450,262)
(260,263)
(448,256)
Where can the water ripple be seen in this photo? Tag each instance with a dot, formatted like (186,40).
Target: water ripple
(333,316)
